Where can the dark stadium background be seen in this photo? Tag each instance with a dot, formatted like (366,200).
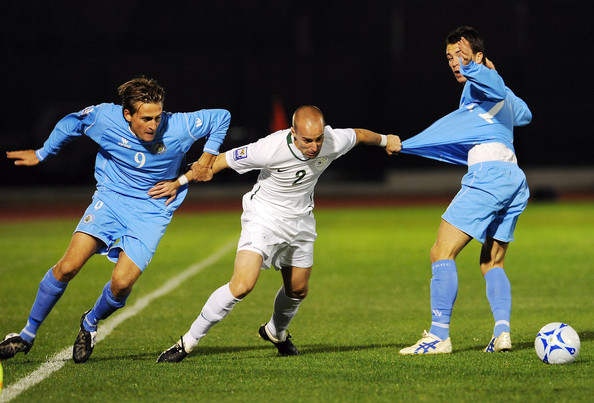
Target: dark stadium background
(373,64)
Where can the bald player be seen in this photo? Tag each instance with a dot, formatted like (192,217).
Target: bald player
(278,225)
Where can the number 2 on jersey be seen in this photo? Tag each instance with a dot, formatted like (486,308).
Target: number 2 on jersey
(300,175)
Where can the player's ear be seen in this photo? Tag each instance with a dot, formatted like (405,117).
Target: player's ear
(478,57)
(127,115)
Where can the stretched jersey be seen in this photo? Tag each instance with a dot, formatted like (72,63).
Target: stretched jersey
(488,113)
(130,166)
(287,179)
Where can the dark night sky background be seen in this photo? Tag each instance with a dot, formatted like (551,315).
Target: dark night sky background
(373,64)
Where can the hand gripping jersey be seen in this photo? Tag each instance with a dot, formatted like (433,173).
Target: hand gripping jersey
(130,166)
(488,113)
(287,179)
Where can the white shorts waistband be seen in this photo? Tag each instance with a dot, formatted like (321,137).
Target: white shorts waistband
(490,152)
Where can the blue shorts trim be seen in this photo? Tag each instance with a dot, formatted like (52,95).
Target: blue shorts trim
(493,196)
(124,223)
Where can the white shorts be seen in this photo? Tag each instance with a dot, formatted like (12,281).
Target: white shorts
(280,241)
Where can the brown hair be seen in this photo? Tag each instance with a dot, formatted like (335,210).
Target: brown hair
(141,89)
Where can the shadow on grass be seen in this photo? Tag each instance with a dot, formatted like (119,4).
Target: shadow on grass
(206,351)
(587,335)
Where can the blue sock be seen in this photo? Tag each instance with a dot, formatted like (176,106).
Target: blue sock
(50,291)
(106,304)
(444,289)
(499,296)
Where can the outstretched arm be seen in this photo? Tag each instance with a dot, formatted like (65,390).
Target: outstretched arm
(390,141)
(23,157)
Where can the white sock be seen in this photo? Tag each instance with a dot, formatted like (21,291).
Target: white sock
(285,309)
(219,304)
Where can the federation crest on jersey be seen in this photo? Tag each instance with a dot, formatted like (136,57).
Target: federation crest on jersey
(321,163)
(240,153)
(88,218)
(159,149)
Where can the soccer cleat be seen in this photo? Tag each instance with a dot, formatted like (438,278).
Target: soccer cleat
(84,343)
(175,353)
(428,345)
(13,344)
(285,347)
(499,343)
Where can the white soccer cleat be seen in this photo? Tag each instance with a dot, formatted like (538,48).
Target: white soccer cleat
(428,345)
(499,343)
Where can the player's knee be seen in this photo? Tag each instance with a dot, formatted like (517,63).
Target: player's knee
(240,289)
(297,292)
(435,253)
(121,286)
(440,252)
(65,270)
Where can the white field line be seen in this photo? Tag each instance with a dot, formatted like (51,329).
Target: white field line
(57,361)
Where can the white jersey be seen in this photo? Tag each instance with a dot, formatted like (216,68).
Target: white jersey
(286,183)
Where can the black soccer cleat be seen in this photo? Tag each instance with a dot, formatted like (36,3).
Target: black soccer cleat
(175,353)
(13,344)
(84,343)
(285,348)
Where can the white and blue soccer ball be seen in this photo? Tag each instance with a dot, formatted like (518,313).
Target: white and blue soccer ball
(557,343)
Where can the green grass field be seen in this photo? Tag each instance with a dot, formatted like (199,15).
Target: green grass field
(369,297)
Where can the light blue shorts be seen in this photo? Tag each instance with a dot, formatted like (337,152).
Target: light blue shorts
(124,223)
(492,197)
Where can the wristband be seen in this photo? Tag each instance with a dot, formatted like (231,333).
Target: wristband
(182,180)
(384,140)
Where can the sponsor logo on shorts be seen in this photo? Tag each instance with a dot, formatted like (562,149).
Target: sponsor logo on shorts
(124,143)
(240,153)
(159,149)
(89,218)
(198,122)
(321,163)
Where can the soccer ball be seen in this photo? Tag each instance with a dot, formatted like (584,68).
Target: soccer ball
(557,343)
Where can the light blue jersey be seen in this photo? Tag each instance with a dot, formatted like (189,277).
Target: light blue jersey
(122,215)
(488,113)
(130,166)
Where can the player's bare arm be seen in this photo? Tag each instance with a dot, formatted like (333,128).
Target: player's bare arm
(202,169)
(169,188)
(220,163)
(23,157)
(392,145)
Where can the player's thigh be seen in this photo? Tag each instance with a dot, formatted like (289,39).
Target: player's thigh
(450,241)
(82,246)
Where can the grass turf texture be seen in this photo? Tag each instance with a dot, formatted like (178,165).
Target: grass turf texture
(369,297)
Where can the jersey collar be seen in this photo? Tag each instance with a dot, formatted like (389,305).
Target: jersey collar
(294,150)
